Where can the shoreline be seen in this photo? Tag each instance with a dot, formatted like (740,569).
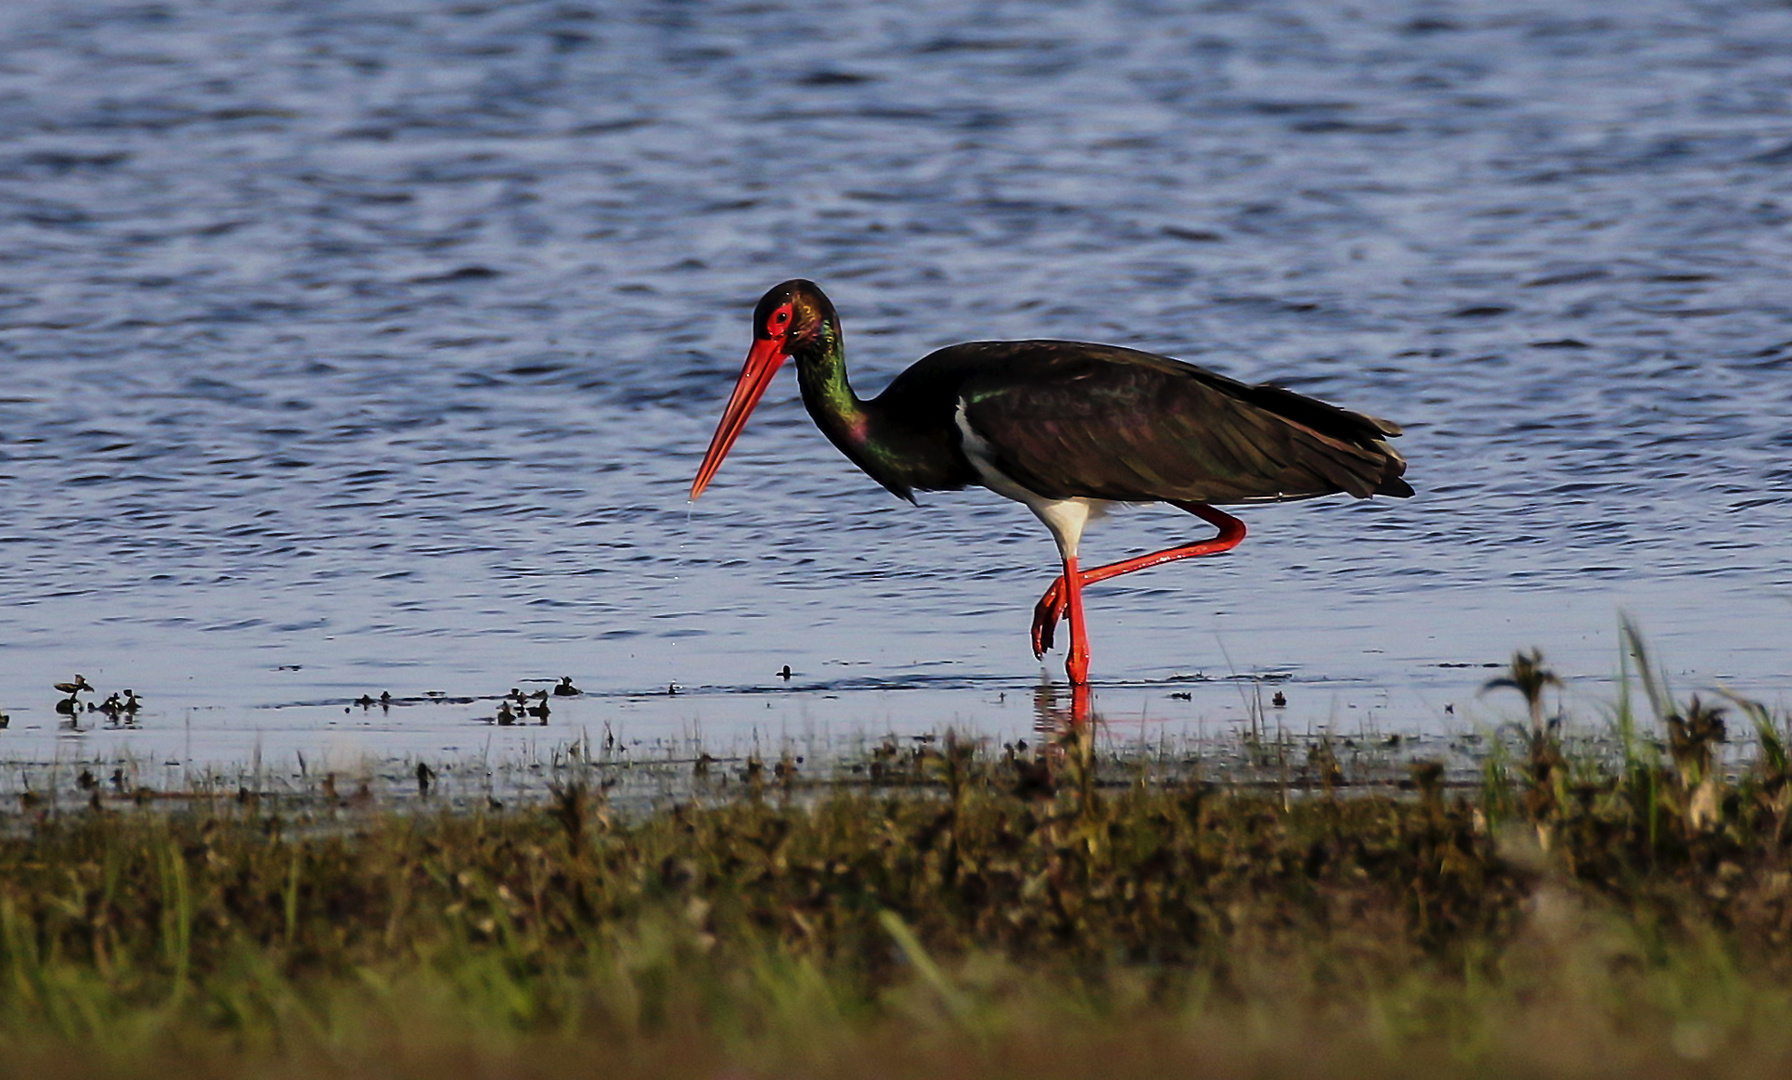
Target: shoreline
(960,908)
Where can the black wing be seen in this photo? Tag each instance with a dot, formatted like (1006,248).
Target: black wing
(1067,419)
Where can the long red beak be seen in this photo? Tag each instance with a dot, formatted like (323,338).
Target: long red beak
(763,361)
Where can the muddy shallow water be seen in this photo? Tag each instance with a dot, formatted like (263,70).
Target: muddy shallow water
(372,347)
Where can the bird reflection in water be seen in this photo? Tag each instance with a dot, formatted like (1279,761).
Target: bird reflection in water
(1052,714)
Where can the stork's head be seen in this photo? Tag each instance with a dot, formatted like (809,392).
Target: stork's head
(789,317)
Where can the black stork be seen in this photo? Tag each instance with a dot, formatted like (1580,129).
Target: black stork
(1066,428)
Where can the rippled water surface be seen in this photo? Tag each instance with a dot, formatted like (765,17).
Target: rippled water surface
(367,346)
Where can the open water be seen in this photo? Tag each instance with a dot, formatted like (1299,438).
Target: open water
(368,346)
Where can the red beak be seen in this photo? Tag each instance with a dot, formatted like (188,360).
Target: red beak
(763,361)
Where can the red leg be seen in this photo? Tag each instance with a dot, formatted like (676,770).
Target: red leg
(1077,664)
(1057,599)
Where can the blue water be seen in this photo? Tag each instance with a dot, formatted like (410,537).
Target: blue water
(372,346)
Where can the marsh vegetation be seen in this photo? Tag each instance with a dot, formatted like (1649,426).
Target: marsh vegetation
(965,909)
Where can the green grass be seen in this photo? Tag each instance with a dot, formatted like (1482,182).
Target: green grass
(970,914)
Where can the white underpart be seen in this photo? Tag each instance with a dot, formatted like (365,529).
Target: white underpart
(1064,517)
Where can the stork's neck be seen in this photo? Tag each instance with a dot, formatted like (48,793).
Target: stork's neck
(901,448)
(821,374)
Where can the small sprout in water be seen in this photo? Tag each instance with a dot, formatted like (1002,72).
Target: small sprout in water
(1693,739)
(1528,676)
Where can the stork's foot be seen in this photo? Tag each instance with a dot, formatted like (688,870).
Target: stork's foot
(1046,613)
(1077,664)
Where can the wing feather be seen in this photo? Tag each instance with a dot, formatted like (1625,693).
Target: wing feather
(1067,419)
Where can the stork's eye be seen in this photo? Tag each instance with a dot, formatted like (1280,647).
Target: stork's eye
(783,317)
